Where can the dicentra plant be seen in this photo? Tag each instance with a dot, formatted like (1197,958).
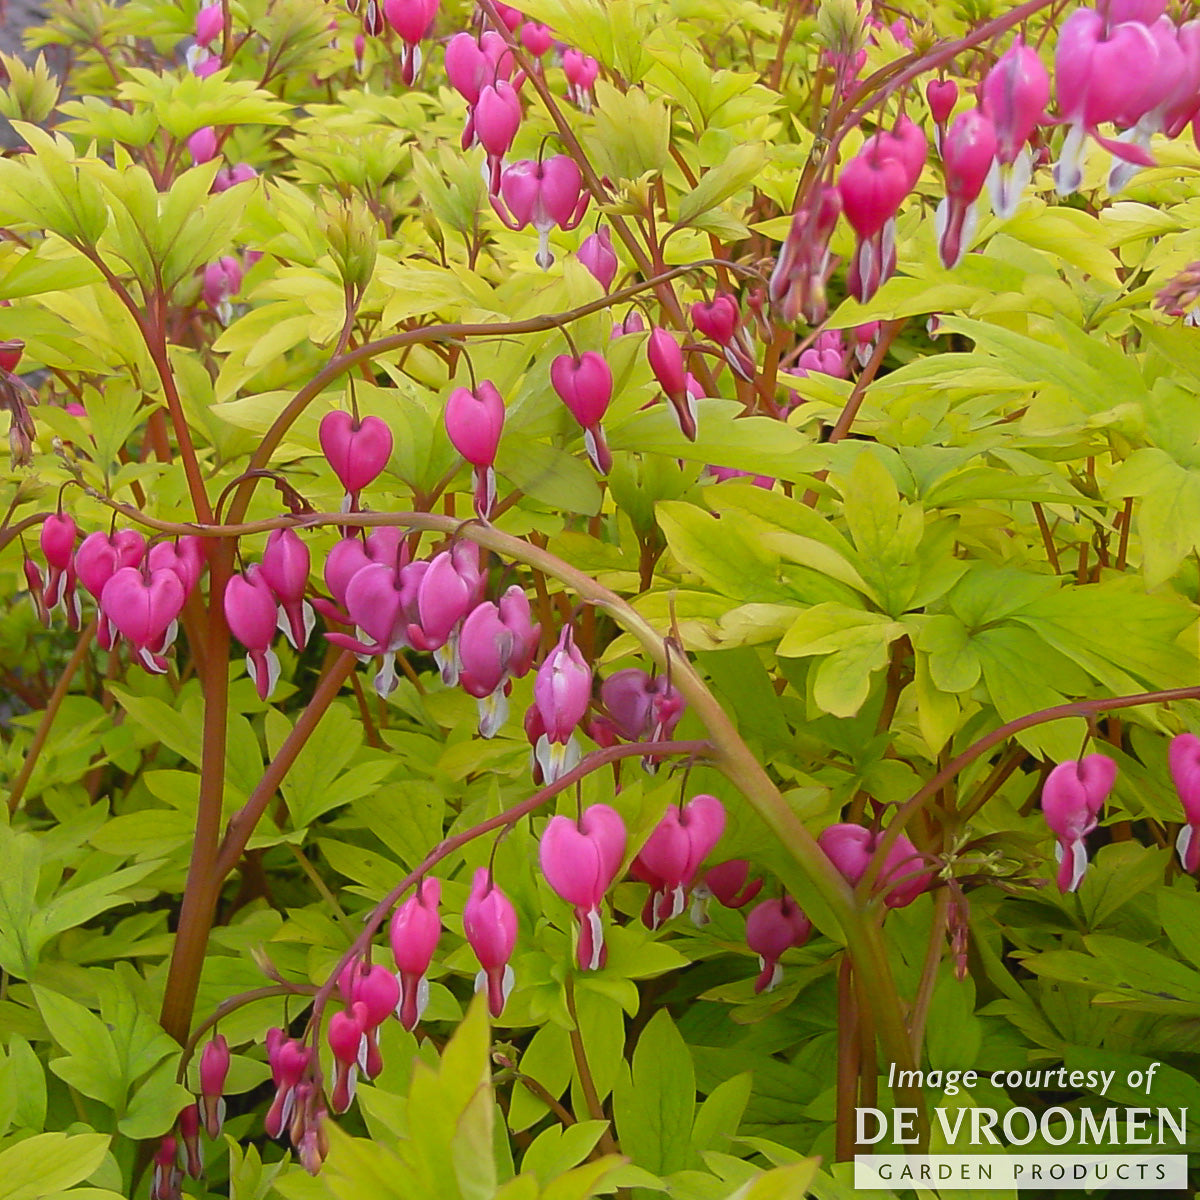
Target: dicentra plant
(636,498)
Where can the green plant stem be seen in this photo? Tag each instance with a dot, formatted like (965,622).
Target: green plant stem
(607,1143)
(848,1046)
(82,644)
(322,888)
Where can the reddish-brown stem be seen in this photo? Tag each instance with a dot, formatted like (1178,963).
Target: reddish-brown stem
(1047,539)
(1126,522)
(1075,708)
(203,881)
(933,958)
(57,696)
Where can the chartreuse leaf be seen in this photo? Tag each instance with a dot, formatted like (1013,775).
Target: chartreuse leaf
(547,1060)
(20,862)
(49,1163)
(632,132)
(655,1105)
(558,1149)
(716,550)
(1167,515)
(186,102)
(50,190)
(724,180)
(27,925)
(26,1084)
(856,643)
(1179,913)
(782,1183)
(583,1182)
(721,1113)
(885,530)
(322,777)
(724,438)
(248,1179)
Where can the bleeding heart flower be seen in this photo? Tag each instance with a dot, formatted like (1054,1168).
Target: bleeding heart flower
(585,386)
(496,642)
(285,567)
(561,693)
(580,862)
(542,194)
(1072,797)
(597,254)
(202,145)
(378,990)
(850,848)
(57,540)
(188,1125)
(144,611)
(474,423)
(250,612)
(666,361)
(581,72)
(290,1061)
(968,152)
(536,38)
(942,95)
(356,450)
(214,1067)
(671,856)
(347,1036)
(184,556)
(209,21)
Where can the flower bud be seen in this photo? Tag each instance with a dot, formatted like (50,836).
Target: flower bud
(414,931)
(214,1067)
(490,925)
(597,254)
(202,145)
(773,927)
